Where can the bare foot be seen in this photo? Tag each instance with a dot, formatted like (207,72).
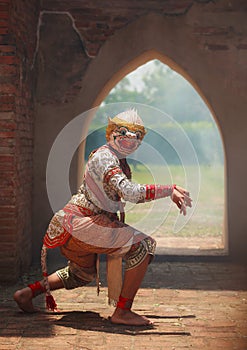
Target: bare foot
(130,318)
(23,298)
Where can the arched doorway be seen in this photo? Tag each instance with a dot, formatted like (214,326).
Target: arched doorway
(205,233)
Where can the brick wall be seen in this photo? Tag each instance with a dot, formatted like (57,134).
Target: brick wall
(18,22)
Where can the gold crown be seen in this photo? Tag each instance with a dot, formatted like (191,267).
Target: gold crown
(115,122)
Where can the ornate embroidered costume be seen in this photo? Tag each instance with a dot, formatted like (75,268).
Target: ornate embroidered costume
(89,225)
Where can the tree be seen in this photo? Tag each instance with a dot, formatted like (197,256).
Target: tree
(123,92)
(166,90)
(171,93)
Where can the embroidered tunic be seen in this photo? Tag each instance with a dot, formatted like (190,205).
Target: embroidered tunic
(107,180)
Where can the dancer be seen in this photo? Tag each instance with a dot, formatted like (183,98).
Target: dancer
(92,223)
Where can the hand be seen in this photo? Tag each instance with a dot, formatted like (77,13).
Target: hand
(181,198)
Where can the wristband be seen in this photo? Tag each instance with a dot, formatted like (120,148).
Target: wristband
(158,191)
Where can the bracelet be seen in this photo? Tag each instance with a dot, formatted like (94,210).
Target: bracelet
(158,191)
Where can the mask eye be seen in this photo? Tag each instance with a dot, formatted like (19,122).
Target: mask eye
(138,135)
(123,131)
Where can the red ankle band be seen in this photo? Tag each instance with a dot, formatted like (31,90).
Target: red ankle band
(36,287)
(124,303)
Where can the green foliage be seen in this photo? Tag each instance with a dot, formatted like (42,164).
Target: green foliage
(122,93)
(166,90)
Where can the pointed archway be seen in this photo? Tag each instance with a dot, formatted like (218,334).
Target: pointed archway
(207,243)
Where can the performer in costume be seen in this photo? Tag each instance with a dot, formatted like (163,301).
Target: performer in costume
(92,223)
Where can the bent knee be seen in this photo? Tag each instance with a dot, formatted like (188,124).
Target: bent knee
(73,280)
(139,252)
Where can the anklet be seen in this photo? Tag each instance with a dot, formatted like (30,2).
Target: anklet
(124,303)
(36,287)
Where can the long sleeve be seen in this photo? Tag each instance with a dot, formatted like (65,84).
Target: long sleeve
(137,193)
(112,183)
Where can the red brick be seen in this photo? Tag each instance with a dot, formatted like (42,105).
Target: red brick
(11,200)
(4,30)
(7,192)
(8,263)
(7,134)
(5,232)
(3,23)
(6,115)
(7,214)
(6,39)
(9,142)
(7,99)
(4,6)
(7,150)
(4,14)
(17,38)
(8,89)
(5,209)
(8,249)
(7,246)
(6,107)
(7,70)
(8,222)
(8,59)
(6,158)
(7,167)
(7,49)
(6,181)
(10,125)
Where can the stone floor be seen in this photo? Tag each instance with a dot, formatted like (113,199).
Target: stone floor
(194,305)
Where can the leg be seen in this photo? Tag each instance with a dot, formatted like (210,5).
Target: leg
(24,296)
(137,260)
(131,284)
(76,274)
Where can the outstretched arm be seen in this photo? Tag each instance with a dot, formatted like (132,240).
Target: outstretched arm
(138,193)
(107,167)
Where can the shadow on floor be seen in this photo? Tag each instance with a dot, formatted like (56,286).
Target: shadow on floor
(92,321)
(40,325)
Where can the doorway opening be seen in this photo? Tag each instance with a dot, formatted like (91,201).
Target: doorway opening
(157,85)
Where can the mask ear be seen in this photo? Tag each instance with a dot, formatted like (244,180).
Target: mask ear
(111,123)
(110,127)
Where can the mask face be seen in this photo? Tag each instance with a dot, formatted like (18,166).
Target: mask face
(125,139)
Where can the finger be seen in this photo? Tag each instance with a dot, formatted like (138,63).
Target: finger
(181,190)
(181,206)
(187,202)
(183,209)
(184,193)
(187,196)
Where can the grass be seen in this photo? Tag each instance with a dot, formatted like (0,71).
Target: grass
(158,217)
